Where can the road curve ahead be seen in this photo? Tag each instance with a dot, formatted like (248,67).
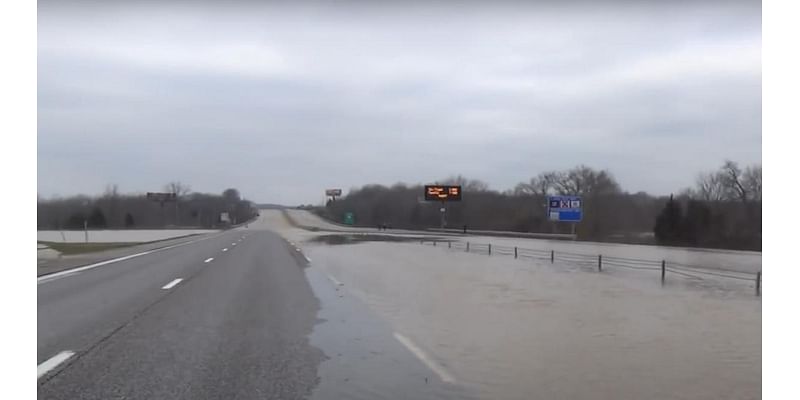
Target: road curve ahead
(225,318)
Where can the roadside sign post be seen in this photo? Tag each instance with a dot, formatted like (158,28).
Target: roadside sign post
(565,209)
(443,194)
(332,194)
(86,222)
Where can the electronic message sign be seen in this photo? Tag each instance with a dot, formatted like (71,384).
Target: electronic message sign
(442,193)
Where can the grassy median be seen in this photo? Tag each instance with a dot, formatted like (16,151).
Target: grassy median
(68,248)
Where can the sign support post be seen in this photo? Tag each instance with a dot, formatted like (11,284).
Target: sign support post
(443,194)
(565,209)
(443,211)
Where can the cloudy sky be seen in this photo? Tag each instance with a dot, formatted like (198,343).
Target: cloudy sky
(283,102)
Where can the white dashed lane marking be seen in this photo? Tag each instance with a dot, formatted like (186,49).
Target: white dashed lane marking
(53,362)
(422,356)
(172,284)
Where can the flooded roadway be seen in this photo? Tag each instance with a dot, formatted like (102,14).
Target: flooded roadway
(502,328)
(744,261)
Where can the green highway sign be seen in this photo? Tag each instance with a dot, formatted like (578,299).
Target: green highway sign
(349,218)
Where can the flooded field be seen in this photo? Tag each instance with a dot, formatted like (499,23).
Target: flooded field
(506,328)
(512,330)
(743,261)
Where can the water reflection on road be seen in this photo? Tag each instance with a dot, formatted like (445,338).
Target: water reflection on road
(517,329)
(364,360)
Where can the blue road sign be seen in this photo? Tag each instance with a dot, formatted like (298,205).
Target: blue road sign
(565,208)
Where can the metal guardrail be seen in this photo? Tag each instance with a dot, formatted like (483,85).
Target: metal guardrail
(536,235)
(600,261)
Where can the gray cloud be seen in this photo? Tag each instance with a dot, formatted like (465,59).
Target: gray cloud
(282,102)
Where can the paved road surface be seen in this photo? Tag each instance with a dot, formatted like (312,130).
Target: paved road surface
(252,314)
(201,322)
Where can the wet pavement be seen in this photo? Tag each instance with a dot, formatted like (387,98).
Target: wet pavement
(364,358)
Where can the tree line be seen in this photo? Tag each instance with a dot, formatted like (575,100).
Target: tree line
(722,210)
(609,213)
(113,210)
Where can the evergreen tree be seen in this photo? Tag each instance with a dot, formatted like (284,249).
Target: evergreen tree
(668,229)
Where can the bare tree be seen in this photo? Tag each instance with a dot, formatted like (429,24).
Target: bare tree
(751,180)
(711,187)
(467,185)
(583,180)
(180,189)
(732,180)
(109,203)
(538,185)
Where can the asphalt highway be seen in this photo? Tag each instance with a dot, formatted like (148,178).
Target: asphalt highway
(266,311)
(229,316)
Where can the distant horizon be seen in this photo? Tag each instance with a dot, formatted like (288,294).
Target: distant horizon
(284,100)
(345,190)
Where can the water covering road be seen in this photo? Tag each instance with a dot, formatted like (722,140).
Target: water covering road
(270,311)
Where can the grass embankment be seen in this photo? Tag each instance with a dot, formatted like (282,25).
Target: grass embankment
(68,248)
(71,248)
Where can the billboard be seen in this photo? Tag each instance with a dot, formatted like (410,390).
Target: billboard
(565,208)
(442,193)
(333,192)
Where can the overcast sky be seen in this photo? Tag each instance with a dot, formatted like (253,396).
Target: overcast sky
(283,102)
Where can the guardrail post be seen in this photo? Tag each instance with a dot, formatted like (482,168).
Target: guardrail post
(663,270)
(449,244)
(467,247)
(434,243)
(490,249)
(515,251)
(758,283)
(552,256)
(599,262)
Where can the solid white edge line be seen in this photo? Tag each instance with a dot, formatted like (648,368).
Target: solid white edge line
(61,274)
(208,260)
(438,369)
(172,284)
(53,362)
